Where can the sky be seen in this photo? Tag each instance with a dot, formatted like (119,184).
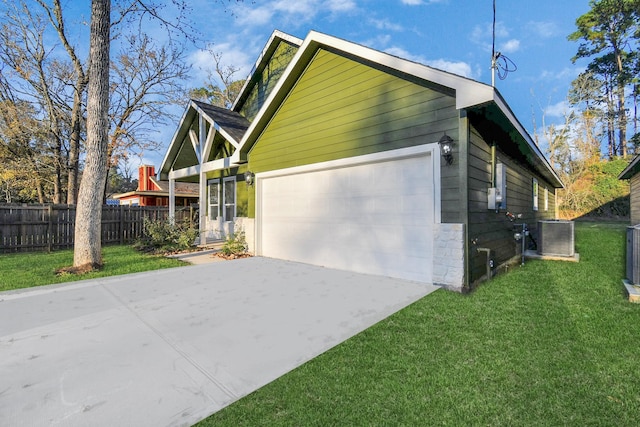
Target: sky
(453,35)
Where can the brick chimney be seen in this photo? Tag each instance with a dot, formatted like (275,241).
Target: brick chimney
(145,173)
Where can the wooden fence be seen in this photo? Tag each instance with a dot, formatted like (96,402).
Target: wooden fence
(29,228)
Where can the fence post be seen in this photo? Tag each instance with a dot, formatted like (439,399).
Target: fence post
(49,227)
(121,225)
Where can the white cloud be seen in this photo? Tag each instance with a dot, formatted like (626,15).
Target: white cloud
(510,46)
(460,68)
(420,2)
(456,67)
(402,53)
(379,42)
(341,5)
(247,16)
(564,74)
(293,12)
(384,24)
(231,56)
(559,109)
(543,29)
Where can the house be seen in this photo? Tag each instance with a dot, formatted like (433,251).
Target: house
(154,192)
(342,156)
(630,173)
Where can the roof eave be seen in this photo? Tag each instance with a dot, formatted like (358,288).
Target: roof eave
(631,169)
(262,60)
(469,93)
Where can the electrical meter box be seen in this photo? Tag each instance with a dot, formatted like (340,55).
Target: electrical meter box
(497,196)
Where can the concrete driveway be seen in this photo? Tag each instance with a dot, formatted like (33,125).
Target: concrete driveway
(170,347)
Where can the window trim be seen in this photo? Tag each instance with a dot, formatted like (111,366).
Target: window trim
(224,198)
(209,205)
(535,189)
(546,199)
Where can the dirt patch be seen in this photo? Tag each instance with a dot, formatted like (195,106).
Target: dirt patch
(79,270)
(231,256)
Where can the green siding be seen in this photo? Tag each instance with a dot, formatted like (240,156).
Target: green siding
(242,193)
(342,108)
(267,79)
(491,229)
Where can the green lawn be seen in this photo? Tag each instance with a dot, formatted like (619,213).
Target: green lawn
(551,343)
(36,269)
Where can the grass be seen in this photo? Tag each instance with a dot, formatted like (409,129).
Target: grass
(551,343)
(37,269)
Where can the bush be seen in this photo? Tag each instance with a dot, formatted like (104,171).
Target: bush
(167,235)
(235,244)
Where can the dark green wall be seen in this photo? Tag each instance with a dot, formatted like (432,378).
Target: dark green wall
(492,229)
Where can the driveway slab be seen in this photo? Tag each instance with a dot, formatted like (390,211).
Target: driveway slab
(170,347)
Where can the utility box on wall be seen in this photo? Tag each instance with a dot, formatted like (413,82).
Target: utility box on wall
(497,196)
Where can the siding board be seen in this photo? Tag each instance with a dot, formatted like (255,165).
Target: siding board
(342,108)
(492,229)
(634,197)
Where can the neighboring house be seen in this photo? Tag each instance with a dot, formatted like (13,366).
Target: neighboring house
(331,156)
(631,173)
(153,192)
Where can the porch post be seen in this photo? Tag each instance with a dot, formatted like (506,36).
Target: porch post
(172,199)
(202,220)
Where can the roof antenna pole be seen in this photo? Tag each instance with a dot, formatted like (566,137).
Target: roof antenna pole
(494,55)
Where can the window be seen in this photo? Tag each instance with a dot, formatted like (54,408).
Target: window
(535,194)
(229,198)
(214,199)
(546,199)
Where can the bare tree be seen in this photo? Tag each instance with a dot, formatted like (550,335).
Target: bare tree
(221,88)
(23,51)
(55,16)
(145,79)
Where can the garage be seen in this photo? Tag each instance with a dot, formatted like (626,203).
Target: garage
(368,214)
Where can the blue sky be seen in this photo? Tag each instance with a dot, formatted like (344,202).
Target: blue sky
(454,35)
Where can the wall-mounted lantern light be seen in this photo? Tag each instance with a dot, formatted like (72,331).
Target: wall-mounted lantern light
(446,148)
(249,178)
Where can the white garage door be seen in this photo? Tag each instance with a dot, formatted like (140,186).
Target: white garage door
(372,218)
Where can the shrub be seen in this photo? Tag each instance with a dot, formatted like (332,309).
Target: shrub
(235,244)
(167,235)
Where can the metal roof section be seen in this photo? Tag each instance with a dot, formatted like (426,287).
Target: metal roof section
(468,93)
(632,169)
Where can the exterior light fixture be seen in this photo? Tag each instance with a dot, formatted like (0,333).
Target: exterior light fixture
(446,148)
(249,178)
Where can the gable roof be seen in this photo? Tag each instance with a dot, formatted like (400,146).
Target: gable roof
(632,169)
(263,60)
(469,94)
(229,123)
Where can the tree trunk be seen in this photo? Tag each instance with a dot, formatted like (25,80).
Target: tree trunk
(622,120)
(74,151)
(87,248)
